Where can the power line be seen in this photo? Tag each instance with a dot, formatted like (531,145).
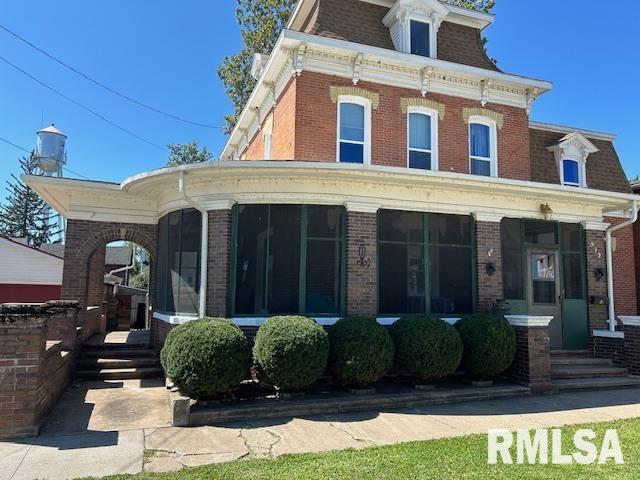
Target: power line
(29,152)
(106,87)
(93,112)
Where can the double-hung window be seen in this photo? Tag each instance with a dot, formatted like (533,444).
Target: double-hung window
(483,147)
(354,130)
(422,139)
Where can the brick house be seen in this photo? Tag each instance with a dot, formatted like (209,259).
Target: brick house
(384,165)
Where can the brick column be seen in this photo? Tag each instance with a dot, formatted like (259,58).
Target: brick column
(488,251)
(632,343)
(596,254)
(218,261)
(23,335)
(362,260)
(532,363)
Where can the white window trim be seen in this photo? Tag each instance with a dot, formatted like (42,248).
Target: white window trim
(433,34)
(366,103)
(493,139)
(433,114)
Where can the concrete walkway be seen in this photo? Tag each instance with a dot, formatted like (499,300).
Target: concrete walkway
(107,446)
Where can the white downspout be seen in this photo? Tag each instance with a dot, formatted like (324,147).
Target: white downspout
(204,234)
(610,231)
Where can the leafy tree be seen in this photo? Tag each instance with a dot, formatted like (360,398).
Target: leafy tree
(25,214)
(261,22)
(187,153)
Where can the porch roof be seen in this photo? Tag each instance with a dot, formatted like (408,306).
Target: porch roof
(145,197)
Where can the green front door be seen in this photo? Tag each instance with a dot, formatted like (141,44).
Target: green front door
(574,324)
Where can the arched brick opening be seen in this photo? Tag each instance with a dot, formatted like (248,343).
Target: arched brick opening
(85,247)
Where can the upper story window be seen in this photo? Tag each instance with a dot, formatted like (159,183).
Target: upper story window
(354,130)
(420,38)
(483,145)
(422,139)
(571,154)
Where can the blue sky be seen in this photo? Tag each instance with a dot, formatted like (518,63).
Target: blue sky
(165,53)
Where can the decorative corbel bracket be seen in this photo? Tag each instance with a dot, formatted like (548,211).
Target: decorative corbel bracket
(436,21)
(425,81)
(299,57)
(531,95)
(357,68)
(485,88)
(272,93)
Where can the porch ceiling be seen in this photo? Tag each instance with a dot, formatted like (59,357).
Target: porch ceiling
(145,197)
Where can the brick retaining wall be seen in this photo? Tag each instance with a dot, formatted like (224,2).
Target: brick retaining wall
(609,348)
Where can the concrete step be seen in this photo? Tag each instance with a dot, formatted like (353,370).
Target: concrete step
(604,383)
(580,361)
(116,346)
(117,353)
(107,363)
(569,353)
(119,373)
(586,372)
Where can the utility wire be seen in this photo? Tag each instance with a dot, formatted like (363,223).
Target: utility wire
(29,152)
(93,112)
(106,87)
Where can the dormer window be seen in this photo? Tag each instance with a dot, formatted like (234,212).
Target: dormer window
(571,154)
(414,26)
(420,38)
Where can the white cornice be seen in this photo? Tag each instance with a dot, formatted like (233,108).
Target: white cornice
(594,135)
(595,226)
(377,65)
(488,217)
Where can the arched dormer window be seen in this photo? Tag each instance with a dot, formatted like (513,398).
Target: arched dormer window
(571,154)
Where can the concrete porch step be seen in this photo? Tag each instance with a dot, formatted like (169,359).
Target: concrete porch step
(569,353)
(604,383)
(119,373)
(117,353)
(562,360)
(586,371)
(115,346)
(107,363)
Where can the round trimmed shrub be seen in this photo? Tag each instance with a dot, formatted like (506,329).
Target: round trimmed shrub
(489,345)
(360,352)
(290,353)
(427,348)
(206,358)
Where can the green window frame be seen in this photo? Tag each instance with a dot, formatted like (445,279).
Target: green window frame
(308,240)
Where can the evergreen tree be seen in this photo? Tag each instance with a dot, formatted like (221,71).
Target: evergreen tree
(25,214)
(187,153)
(261,22)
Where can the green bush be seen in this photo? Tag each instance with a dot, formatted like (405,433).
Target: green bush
(290,352)
(206,358)
(427,348)
(489,345)
(360,352)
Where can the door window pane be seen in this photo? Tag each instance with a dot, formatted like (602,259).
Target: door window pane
(543,267)
(544,292)
(420,38)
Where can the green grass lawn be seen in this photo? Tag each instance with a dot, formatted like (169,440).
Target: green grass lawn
(455,458)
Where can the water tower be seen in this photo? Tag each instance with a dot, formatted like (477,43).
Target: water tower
(50,150)
(51,156)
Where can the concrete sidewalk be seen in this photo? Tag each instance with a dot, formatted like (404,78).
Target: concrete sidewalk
(163,448)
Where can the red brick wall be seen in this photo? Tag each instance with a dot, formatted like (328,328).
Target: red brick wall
(362,291)
(218,262)
(315,118)
(624,270)
(489,286)
(595,249)
(284,129)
